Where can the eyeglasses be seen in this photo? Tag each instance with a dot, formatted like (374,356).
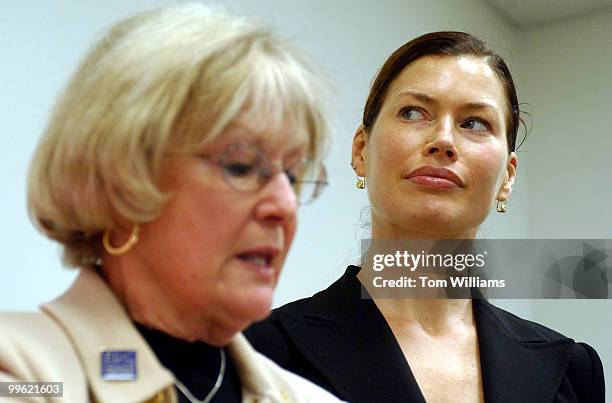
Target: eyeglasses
(246,169)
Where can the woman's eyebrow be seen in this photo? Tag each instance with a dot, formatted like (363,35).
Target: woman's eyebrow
(418,95)
(431,100)
(480,105)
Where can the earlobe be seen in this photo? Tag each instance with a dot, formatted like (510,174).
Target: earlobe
(504,192)
(359,151)
(510,176)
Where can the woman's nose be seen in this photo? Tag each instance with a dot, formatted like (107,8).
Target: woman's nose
(278,201)
(441,143)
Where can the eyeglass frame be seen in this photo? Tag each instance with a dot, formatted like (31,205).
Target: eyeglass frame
(266,171)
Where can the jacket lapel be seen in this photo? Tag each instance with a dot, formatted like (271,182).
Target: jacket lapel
(94,320)
(518,364)
(257,382)
(344,336)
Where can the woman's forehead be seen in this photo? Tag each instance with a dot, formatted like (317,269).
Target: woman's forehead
(468,79)
(272,138)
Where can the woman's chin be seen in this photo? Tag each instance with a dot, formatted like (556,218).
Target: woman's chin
(440,222)
(258,308)
(252,305)
(239,314)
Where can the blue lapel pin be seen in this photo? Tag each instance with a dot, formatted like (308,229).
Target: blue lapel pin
(118,365)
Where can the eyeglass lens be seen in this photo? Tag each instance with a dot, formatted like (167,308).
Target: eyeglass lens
(245,169)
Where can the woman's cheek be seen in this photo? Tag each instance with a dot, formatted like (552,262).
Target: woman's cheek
(490,174)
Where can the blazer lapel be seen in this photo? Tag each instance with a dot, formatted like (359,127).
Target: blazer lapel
(517,363)
(256,380)
(93,319)
(343,336)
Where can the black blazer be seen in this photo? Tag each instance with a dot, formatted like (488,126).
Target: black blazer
(342,342)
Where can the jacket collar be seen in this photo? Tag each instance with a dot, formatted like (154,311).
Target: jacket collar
(343,335)
(257,382)
(517,362)
(94,320)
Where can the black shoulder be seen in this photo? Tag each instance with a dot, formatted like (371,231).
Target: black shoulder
(295,308)
(584,378)
(585,374)
(269,336)
(523,330)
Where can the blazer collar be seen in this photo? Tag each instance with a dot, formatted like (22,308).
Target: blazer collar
(343,335)
(256,379)
(94,320)
(517,363)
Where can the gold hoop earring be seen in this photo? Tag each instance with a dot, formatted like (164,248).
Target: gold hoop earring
(502,206)
(120,250)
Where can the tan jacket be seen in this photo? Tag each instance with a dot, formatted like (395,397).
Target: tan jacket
(63,344)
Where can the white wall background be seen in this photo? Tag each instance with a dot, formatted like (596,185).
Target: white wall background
(564,178)
(564,74)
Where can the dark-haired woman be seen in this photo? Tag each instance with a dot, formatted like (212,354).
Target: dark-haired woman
(437,148)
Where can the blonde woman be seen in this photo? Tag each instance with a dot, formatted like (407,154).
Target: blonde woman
(171,172)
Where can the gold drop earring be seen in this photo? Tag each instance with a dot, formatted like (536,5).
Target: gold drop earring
(502,206)
(361,181)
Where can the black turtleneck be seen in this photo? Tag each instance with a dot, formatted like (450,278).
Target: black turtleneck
(196,365)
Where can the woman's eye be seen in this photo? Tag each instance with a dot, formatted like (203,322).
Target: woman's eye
(412,113)
(475,125)
(295,172)
(239,169)
(291,175)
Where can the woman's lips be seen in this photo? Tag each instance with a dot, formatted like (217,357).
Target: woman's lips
(435,177)
(266,272)
(434,182)
(260,262)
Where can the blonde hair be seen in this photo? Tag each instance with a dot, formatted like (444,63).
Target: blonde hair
(167,78)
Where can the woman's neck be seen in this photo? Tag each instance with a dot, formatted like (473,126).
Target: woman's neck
(146,302)
(399,233)
(433,316)
(385,230)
